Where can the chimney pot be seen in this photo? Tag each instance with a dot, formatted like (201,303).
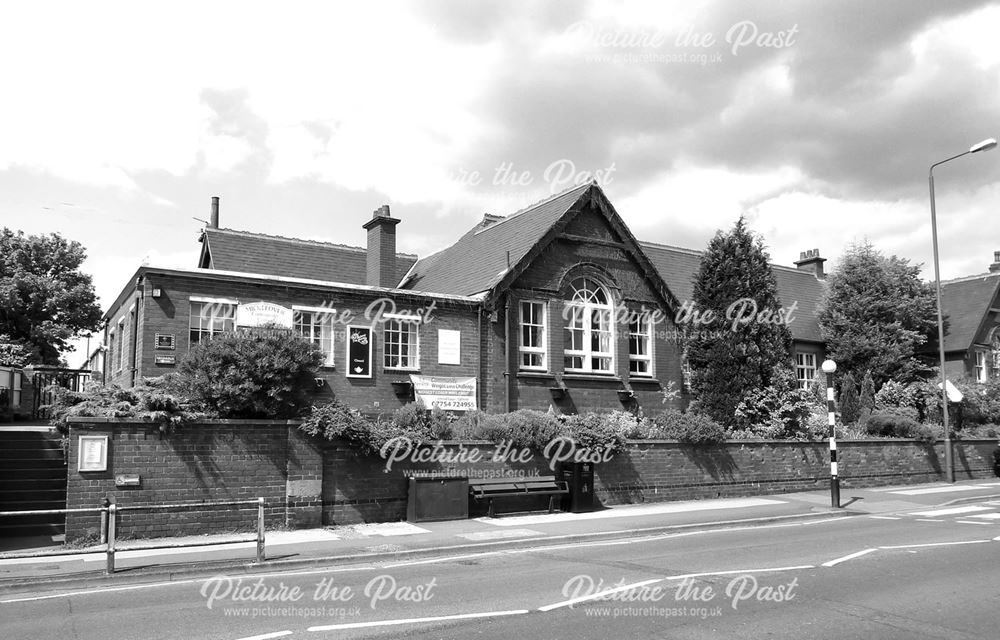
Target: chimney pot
(810,260)
(214,224)
(996,262)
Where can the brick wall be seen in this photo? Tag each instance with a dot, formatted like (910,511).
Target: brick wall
(227,460)
(357,487)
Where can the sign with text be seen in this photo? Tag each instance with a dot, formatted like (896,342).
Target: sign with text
(93,453)
(451,394)
(449,346)
(165,341)
(359,352)
(258,314)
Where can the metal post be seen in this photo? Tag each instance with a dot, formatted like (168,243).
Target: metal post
(948,459)
(112,516)
(104,521)
(832,417)
(260,529)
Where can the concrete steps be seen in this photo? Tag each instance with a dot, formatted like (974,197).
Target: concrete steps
(32,477)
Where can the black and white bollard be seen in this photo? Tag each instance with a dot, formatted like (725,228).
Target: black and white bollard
(829,366)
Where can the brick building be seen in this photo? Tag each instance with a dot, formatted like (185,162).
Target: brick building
(972,344)
(557,305)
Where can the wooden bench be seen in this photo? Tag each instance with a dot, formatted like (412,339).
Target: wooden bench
(490,488)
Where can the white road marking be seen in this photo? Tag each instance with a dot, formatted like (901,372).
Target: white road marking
(928,520)
(852,556)
(986,516)
(944,489)
(267,636)
(387,623)
(971,522)
(885,517)
(644,510)
(735,571)
(949,512)
(595,596)
(933,544)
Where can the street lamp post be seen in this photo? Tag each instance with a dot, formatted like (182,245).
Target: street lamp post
(985,145)
(829,366)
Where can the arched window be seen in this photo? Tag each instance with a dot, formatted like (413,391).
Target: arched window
(589,330)
(995,352)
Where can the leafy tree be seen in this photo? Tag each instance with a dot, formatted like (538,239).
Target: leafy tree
(44,298)
(15,354)
(867,396)
(877,315)
(730,353)
(240,374)
(850,401)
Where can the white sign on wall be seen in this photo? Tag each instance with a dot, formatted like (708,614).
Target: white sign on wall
(449,346)
(258,314)
(451,394)
(93,453)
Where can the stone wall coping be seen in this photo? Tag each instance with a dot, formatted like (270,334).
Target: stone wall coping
(78,420)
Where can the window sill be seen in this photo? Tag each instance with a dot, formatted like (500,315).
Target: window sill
(591,376)
(530,373)
(397,370)
(644,380)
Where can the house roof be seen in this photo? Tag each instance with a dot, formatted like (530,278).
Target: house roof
(678,268)
(479,259)
(966,302)
(231,250)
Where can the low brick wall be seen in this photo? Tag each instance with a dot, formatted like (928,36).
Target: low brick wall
(307,482)
(218,461)
(359,488)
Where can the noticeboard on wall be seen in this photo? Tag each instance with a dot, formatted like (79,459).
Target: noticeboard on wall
(359,352)
(164,341)
(92,453)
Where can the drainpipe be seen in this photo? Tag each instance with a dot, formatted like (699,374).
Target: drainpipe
(480,378)
(135,328)
(508,378)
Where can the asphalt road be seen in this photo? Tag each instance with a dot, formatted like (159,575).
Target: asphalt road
(914,576)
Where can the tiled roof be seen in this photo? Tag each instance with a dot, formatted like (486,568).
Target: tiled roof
(479,259)
(678,268)
(288,257)
(966,301)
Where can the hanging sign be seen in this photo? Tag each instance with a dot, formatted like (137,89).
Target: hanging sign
(258,314)
(359,352)
(451,394)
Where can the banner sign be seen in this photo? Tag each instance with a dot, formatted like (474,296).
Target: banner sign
(451,394)
(258,314)
(359,352)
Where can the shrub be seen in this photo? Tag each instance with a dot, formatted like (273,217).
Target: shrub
(866,401)
(892,424)
(780,410)
(593,431)
(692,428)
(152,400)
(894,395)
(850,402)
(265,374)
(336,420)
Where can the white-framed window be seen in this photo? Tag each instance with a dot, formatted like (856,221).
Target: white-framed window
(533,344)
(980,366)
(589,330)
(316,326)
(120,345)
(640,346)
(400,344)
(210,317)
(995,354)
(805,369)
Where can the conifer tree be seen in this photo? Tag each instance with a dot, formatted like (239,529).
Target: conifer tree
(850,402)
(739,337)
(866,401)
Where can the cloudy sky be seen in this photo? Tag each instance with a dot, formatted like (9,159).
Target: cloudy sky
(817,120)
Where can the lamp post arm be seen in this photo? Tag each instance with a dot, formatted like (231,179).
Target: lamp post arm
(930,173)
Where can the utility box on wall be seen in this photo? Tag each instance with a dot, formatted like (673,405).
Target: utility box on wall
(435,498)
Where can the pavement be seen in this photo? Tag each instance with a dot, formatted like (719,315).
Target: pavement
(399,540)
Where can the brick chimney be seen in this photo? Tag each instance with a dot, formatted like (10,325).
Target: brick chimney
(382,248)
(214,220)
(996,262)
(810,261)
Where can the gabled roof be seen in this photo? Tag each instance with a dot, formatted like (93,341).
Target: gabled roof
(230,250)
(479,259)
(967,301)
(678,268)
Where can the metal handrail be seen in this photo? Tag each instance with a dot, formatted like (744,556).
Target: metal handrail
(109,519)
